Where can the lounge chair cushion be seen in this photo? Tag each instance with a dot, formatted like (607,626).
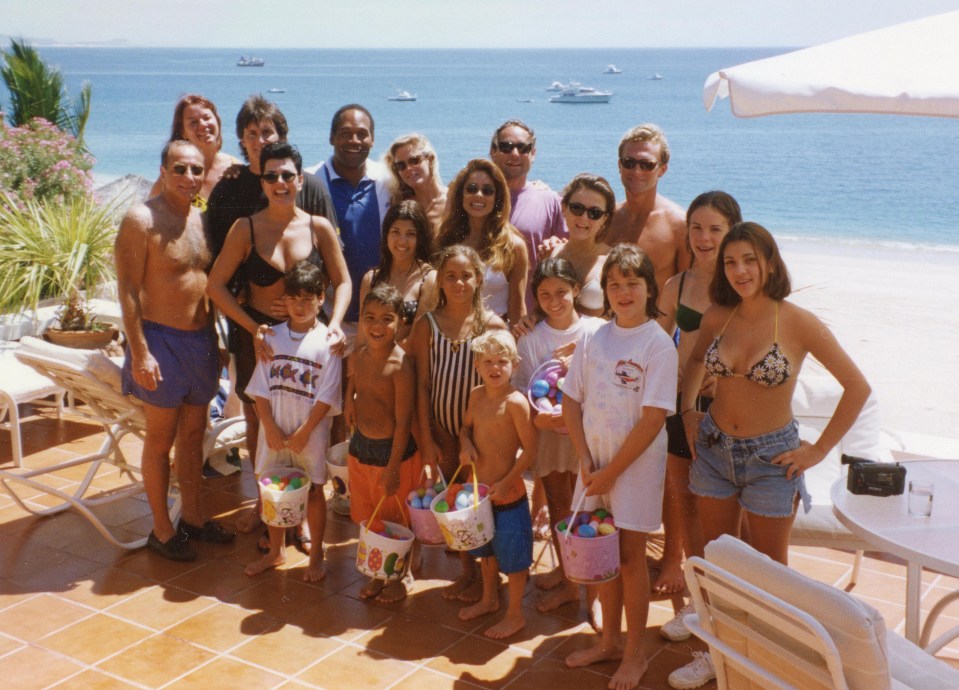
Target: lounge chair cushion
(857,629)
(102,367)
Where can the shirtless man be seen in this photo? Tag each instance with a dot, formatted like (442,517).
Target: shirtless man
(646,217)
(171,365)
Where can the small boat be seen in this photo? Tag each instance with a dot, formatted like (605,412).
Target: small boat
(656,77)
(612,69)
(250,61)
(524,100)
(402,96)
(581,94)
(276,90)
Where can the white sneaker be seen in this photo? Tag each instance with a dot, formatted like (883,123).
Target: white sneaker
(697,672)
(675,629)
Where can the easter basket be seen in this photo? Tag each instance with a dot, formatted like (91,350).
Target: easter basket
(587,560)
(383,556)
(285,505)
(469,527)
(545,389)
(423,520)
(337,469)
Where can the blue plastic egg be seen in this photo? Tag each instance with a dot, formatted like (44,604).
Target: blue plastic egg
(586,531)
(539,388)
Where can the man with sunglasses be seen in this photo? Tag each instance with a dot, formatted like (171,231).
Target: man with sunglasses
(535,210)
(171,363)
(646,217)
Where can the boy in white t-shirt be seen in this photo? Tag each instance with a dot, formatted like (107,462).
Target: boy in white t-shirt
(296,393)
(620,387)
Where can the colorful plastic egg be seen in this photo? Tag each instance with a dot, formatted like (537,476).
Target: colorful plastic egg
(561,527)
(551,377)
(544,405)
(441,507)
(605,529)
(462,500)
(411,495)
(558,409)
(586,531)
(539,388)
(560,382)
(483,490)
(559,397)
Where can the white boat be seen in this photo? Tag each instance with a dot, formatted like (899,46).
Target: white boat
(250,61)
(402,96)
(612,69)
(276,90)
(656,77)
(582,94)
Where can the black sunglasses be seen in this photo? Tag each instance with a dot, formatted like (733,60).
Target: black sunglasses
(644,164)
(272,177)
(400,166)
(485,190)
(181,168)
(508,146)
(593,213)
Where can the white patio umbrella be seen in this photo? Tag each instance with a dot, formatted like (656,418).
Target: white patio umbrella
(906,69)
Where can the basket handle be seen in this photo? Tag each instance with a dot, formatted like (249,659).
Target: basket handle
(423,476)
(472,467)
(406,522)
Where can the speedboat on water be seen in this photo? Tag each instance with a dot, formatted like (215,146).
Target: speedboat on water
(275,90)
(612,69)
(656,77)
(402,96)
(250,61)
(581,94)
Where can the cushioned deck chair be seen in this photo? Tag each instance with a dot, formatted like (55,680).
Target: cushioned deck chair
(768,626)
(94,378)
(20,384)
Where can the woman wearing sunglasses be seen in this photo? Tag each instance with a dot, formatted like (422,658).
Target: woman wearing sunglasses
(266,245)
(477,215)
(588,204)
(195,120)
(415,174)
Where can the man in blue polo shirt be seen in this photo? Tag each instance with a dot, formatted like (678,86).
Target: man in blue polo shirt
(360,195)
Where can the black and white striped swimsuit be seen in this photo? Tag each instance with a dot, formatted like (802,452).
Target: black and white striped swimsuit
(452,377)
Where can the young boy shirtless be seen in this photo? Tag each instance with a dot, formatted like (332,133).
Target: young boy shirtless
(296,393)
(497,424)
(380,397)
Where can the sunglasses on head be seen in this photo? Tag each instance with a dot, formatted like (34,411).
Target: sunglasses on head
(485,190)
(644,164)
(272,177)
(593,213)
(400,166)
(508,146)
(181,169)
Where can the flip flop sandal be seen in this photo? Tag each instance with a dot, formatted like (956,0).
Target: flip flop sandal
(299,540)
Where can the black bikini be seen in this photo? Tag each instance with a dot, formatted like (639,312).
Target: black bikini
(687,319)
(261,272)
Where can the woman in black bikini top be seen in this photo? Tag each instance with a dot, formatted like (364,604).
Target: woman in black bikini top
(405,250)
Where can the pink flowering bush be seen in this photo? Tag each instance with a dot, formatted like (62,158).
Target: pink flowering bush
(38,162)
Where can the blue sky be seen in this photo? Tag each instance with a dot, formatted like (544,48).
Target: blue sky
(252,24)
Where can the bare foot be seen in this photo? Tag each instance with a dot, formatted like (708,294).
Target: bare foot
(595,615)
(372,588)
(594,655)
(670,579)
(510,625)
(264,563)
(472,593)
(315,571)
(551,580)
(452,590)
(481,608)
(629,672)
(248,521)
(395,590)
(558,597)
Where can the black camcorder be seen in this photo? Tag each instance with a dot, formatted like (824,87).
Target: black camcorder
(870,478)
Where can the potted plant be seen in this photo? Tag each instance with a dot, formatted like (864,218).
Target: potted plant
(79,327)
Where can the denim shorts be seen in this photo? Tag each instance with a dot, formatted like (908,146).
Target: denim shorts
(728,466)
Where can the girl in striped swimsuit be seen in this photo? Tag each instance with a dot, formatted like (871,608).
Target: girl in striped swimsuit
(440,344)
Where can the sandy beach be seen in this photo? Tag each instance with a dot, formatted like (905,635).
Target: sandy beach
(893,311)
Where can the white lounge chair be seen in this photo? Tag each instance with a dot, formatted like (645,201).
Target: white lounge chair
(20,384)
(94,378)
(768,626)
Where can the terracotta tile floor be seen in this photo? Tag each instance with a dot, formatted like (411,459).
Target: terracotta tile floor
(77,612)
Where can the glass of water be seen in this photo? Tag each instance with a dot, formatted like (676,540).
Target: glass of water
(920,497)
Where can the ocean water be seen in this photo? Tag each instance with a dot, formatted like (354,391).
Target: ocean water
(853,179)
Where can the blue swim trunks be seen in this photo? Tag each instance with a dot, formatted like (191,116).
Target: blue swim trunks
(512,537)
(189,364)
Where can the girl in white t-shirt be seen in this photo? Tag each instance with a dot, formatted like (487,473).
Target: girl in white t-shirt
(620,387)
(556,289)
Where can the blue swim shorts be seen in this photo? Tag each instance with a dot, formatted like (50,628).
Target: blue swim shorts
(189,364)
(727,466)
(512,537)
